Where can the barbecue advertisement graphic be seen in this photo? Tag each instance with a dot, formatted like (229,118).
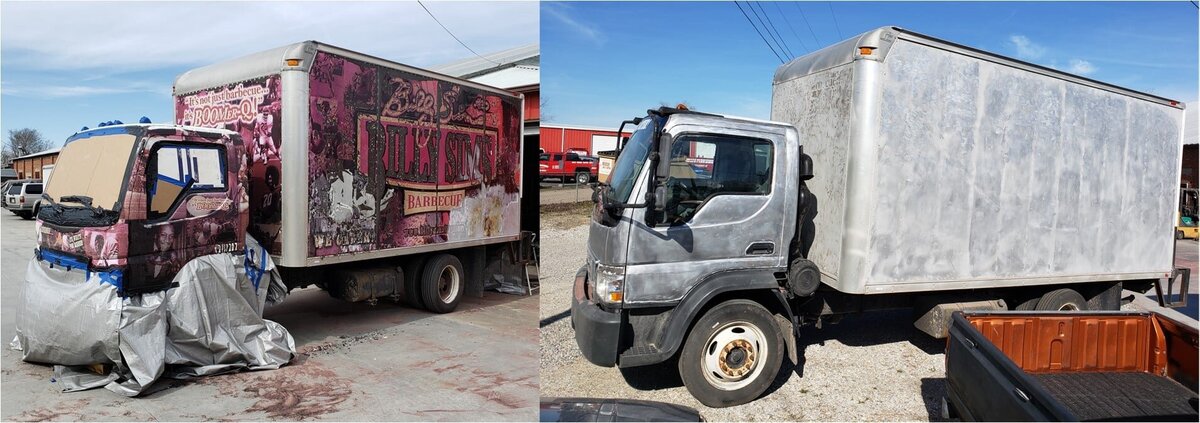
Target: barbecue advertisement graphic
(398,159)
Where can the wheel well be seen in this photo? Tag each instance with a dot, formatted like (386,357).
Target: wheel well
(583,169)
(763,297)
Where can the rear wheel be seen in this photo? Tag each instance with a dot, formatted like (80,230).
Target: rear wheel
(582,177)
(731,354)
(442,283)
(1065,299)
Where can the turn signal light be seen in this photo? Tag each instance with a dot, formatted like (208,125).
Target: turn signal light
(615,297)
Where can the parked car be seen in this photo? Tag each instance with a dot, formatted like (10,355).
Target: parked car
(22,198)
(570,165)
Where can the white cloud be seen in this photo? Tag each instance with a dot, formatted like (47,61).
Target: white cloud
(1026,49)
(123,37)
(1081,67)
(561,12)
(53,91)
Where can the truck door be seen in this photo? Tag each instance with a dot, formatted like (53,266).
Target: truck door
(725,204)
(190,211)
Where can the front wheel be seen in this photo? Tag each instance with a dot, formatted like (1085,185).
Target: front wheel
(732,354)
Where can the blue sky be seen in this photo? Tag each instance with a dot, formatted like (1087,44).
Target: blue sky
(605,62)
(67,65)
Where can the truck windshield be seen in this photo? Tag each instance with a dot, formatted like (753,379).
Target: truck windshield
(95,168)
(631,161)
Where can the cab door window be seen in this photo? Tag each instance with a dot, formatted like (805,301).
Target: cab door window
(177,170)
(705,166)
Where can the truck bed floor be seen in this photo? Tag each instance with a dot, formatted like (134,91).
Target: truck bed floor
(1121,396)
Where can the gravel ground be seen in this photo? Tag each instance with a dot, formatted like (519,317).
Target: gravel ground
(874,366)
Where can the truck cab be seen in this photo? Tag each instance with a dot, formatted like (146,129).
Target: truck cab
(698,208)
(136,202)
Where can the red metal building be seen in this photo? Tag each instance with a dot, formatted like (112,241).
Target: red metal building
(558,138)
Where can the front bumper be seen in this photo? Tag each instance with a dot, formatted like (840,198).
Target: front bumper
(597,331)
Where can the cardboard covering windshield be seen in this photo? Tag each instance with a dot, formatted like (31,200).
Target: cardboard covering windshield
(209,322)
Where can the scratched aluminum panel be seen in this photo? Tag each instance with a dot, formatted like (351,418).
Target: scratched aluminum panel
(986,172)
(818,105)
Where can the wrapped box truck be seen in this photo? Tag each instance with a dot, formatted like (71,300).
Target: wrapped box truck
(366,177)
(900,170)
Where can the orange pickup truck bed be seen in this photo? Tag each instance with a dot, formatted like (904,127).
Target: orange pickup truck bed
(1071,366)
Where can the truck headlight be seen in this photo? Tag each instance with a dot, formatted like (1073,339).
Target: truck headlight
(610,284)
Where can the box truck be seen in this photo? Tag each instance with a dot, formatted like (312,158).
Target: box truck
(368,178)
(899,170)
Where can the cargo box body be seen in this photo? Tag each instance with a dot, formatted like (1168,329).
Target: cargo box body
(353,157)
(942,167)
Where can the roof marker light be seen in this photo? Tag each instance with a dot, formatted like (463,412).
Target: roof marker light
(293,62)
(102,124)
(83,129)
(865,51)
(117,122)
(144,120)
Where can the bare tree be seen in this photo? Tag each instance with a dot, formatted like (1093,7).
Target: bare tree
(21,142)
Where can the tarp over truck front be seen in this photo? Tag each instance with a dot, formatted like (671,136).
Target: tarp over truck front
(208,323)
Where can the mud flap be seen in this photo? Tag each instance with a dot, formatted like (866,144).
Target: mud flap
(209,321)
(790,322)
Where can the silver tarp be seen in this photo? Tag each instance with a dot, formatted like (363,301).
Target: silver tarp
(209,322)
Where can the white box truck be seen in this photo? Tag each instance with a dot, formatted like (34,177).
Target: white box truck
(900,170)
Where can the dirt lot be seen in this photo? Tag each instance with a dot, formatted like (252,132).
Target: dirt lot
(358,362)
(873,366)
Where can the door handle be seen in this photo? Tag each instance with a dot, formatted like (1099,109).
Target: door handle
(760,248)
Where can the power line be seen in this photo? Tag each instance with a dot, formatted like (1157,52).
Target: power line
(791,28)
(810,30)
(760,35)
(779,38)
(835,22)
(763,23)
(435,19)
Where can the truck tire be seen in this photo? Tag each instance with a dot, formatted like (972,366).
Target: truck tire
(442,283)
(582,177)
(1065,299)
(732,354)
(413,272)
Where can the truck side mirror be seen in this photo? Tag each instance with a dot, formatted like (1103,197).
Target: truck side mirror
(658,199)
(806,166)
(662,161)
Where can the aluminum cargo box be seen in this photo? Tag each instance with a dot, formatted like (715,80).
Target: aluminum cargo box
(939,166)
(353,157)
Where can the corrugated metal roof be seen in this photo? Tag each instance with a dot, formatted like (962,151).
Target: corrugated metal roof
(517,76)
(476,66)
(40,153)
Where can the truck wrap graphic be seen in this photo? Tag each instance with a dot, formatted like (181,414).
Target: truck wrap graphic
(398,159)
(252,109)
